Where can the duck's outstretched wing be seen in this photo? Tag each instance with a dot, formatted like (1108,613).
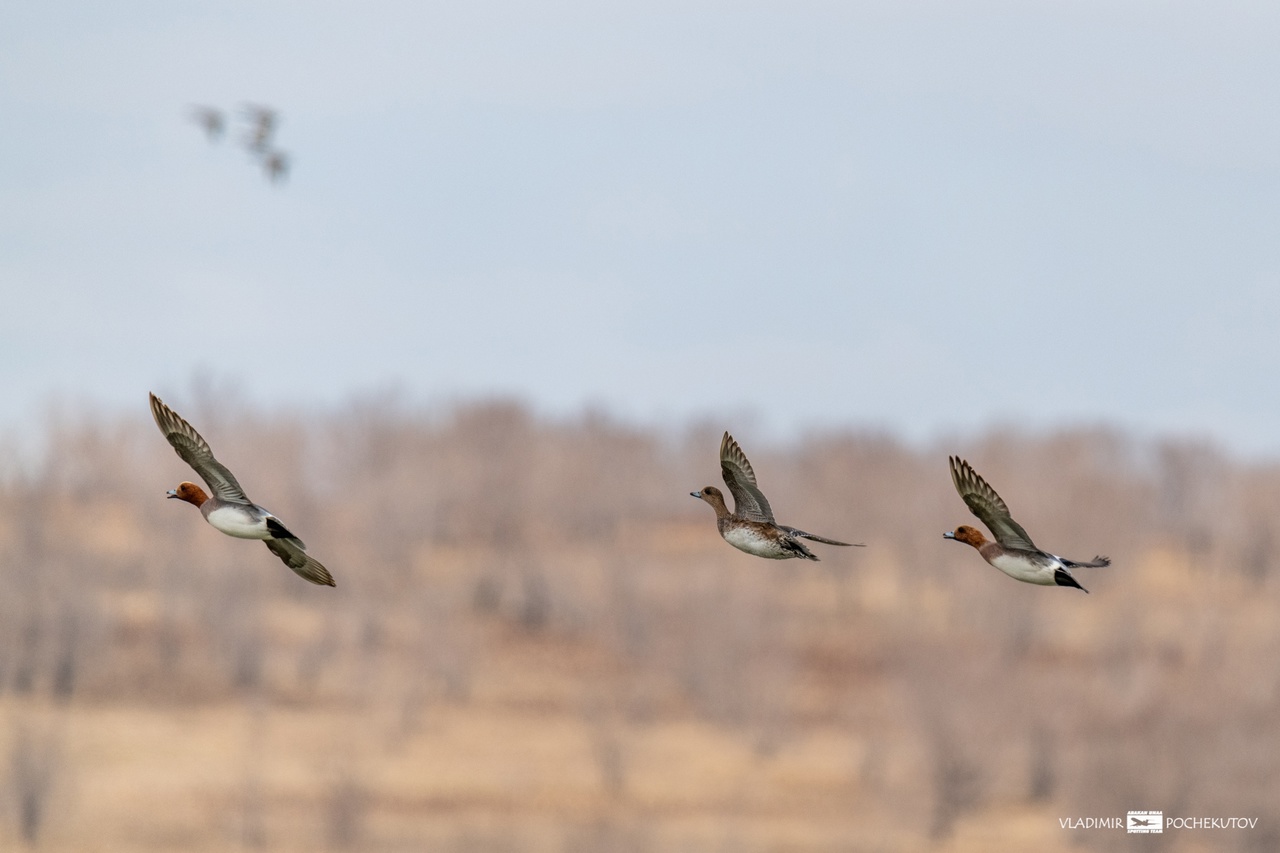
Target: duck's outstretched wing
(983,502)
(748,501)
(290,551)
(195,451)
(1095,563)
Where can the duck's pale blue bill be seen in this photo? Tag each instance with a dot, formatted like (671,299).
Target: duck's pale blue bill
(172,493)
(695,494)
(950,534)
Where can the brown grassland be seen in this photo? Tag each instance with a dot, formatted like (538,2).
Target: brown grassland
(539,643)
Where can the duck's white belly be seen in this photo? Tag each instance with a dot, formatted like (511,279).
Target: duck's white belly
(239,523)
(746,539)
(1020,568)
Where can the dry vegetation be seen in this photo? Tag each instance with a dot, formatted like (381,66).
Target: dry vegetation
(538,642)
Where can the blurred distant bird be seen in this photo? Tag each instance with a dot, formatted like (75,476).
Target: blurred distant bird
(211,120)
(751,527)
(1013,552)
(276,165)
(263,121)
(229,510)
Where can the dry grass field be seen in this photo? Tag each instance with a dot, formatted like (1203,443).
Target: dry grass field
(539,643)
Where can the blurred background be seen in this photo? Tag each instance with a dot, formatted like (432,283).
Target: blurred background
(467,296)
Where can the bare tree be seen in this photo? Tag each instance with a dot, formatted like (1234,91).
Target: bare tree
(35,760)
(346,809)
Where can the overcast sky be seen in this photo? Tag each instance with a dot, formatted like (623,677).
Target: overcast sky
(922,217)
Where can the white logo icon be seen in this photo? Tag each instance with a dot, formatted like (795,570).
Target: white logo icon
(1145,821)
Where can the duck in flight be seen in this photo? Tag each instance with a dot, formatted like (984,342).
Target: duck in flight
(211,121)
(750,527)
(228,509)
(1013,552)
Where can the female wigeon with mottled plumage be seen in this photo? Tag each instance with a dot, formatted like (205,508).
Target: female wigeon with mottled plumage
(1013,552)
(229,509)
(750,527)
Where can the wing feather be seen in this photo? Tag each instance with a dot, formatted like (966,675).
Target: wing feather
(290,551)
(748,501)
(983,502)
(195,451)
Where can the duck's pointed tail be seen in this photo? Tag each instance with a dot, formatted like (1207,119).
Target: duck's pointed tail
(825,541)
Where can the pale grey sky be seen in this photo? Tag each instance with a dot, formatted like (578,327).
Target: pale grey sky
(918,216)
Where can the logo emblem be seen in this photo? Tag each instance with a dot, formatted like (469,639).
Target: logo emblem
(1145,821)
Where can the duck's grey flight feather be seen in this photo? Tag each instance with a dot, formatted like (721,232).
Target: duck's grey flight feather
(748,501)
(195,451)
(295,558)
(983,502)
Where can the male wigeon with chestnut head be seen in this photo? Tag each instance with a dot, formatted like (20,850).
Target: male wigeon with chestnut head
(228,509)
(1013,552)
(750,527)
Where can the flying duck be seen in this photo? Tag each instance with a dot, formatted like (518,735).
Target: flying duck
(750,527)
(1013,552)
(229,509)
